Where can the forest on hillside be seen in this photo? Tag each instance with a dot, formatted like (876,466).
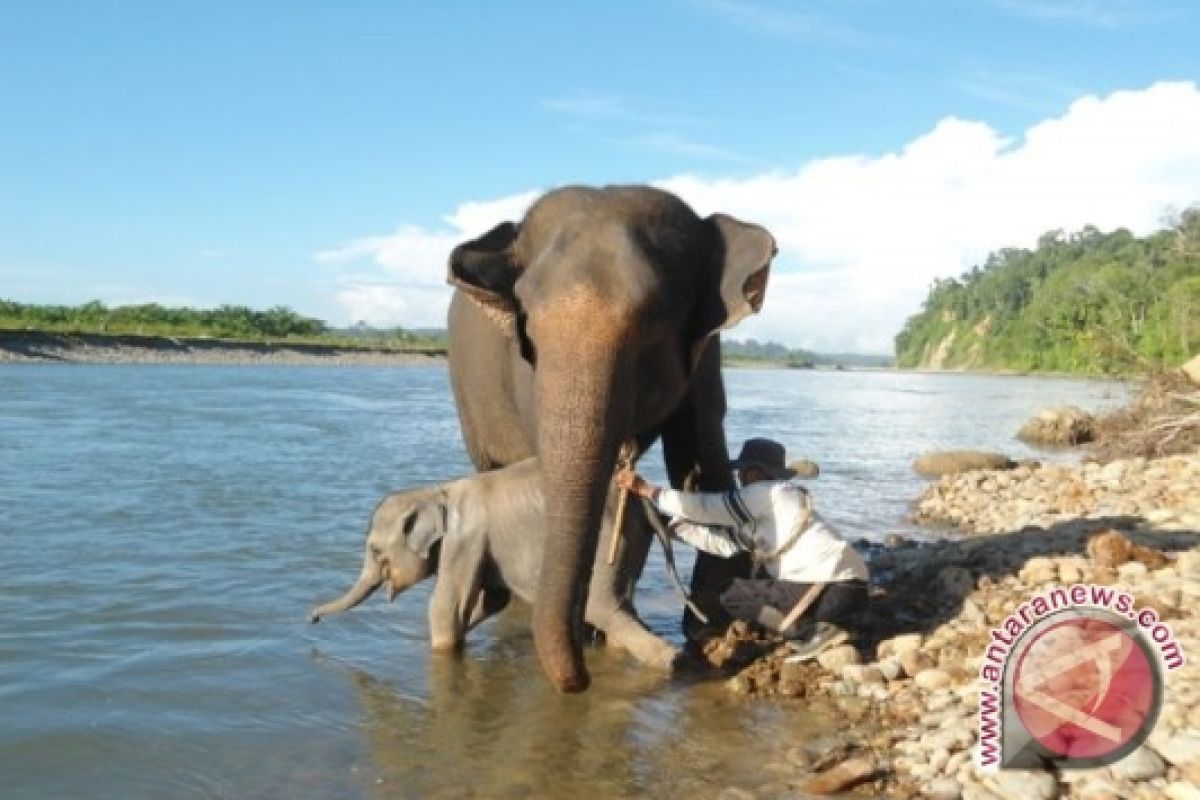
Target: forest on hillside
(1084,302)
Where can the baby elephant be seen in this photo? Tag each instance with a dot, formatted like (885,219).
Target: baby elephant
(483,536)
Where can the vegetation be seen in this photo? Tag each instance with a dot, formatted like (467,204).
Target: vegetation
(224,322)
(1087,302)
(752,351)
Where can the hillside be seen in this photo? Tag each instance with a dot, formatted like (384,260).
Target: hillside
(1086,302)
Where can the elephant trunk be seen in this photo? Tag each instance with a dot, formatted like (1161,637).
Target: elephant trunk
(585,409)
(368,581)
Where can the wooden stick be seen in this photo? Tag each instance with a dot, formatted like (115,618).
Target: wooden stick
(624,461)
(617,526)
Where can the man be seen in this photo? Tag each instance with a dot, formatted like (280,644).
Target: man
(771,517)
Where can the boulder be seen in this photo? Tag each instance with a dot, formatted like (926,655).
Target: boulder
(952,462)
(804,468)
(1059,427)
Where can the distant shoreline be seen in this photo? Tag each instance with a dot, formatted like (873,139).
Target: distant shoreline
(40,347)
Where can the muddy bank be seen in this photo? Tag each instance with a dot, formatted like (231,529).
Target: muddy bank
(908,685)
(18,347)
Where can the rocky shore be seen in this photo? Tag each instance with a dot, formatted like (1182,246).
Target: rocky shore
(908,687)
(17,347)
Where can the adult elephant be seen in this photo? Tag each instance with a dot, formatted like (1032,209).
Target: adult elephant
(591,322)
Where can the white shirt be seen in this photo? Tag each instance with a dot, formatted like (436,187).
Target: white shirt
(760,518)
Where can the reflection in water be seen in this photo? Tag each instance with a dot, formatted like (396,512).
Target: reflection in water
(491,727)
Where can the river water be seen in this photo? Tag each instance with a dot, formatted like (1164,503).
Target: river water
(164,530)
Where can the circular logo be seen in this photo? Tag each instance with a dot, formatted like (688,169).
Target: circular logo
(1085,687)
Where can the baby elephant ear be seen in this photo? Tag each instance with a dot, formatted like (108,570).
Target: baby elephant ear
(426,525)
(485,270)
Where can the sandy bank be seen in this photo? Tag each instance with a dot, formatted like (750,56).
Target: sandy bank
(18,347)
(909,685)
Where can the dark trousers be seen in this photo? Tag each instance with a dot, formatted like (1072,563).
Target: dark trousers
(767,601)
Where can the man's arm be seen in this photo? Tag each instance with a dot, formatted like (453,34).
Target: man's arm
(709,538)
(735,508)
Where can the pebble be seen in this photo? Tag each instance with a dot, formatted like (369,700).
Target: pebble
(914,662)
(1179,750)
(1180,790)
(1023,784)
(1140,765)
(931,679)
(862,673)
(943,789)
(900,644)
(891,668)
(1188,564)
(849,773)
(837,657)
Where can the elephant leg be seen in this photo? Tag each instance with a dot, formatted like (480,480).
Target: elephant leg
(624,630)
(694,444)
(458,591)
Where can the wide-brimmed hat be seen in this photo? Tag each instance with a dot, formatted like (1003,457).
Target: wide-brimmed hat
(766,454)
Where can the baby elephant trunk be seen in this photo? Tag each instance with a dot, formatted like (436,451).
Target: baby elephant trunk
(368,581)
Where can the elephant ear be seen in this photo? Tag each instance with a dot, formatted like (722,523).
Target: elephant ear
(485,270)
(425,525)
(740,256)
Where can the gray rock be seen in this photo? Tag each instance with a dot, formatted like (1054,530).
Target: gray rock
(1023,784)
(1180,790)
(1181,749)
(891,668)
(837,657)
(1067,425)
(804,468)
(952,462)
(931,679)
(1142,764)
(943,789)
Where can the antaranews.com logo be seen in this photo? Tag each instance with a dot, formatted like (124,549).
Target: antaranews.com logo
(1073,677)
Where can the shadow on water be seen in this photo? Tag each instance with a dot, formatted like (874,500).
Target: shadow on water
(491,727)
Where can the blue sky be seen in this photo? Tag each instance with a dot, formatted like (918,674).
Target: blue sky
(324,155)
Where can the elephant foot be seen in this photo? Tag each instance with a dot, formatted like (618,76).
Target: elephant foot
(562,661)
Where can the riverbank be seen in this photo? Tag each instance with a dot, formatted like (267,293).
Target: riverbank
(908,687)
(17,347)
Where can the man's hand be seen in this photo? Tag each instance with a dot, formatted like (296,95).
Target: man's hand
(630,481)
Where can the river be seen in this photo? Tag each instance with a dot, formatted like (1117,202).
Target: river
(165,529)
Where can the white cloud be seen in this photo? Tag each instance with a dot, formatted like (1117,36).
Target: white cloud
(408,286)
(861,236)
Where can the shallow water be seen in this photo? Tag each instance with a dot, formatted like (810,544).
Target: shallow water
(165,529)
